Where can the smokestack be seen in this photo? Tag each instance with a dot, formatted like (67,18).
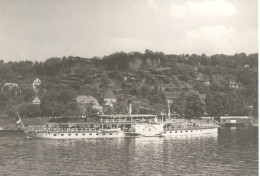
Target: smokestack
(169,110)
(129,107)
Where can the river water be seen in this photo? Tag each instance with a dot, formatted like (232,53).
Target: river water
(233,151)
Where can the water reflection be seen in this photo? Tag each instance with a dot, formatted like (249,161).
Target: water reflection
(231,152)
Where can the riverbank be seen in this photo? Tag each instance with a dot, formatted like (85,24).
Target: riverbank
(9,123)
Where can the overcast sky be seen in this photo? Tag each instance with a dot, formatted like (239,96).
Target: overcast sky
(40,29)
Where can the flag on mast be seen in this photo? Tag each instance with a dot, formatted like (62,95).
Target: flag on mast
(21,122)
(18,119)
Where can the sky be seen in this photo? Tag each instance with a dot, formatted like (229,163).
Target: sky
(40,29)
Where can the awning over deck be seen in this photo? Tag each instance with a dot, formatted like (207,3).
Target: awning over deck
(126,115)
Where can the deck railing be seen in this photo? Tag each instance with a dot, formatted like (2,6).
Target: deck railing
(189,128)
(71,130)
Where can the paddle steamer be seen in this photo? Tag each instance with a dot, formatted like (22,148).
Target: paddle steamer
(114,126)
(106,126)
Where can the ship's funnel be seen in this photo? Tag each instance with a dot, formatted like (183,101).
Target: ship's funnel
(129,107)
(169,110)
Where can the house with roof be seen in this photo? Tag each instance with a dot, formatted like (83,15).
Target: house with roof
(109,97)
(36,100)
(10,85)
(234,84)
(36,83)
(206,83)
(247,66)
(13,86)
(171,96)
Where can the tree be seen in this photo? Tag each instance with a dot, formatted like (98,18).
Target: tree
(52,66)
(67,95)
(72,109)
(194,106)
(214,105)
(178,107)
(52,109)
(30,110)
(144,91)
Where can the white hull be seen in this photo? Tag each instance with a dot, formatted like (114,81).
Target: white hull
(75,135)
(144,134)
(94,135)
(190,132)
(148,130)
(119,134)
(111,130)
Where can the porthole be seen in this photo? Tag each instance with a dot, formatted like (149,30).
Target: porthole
(62,134)
(69,134)
(83,134)
(54,134)
(76,134)
(110,133)
(90,133)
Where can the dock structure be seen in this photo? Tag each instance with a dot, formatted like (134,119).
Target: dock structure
(235,120)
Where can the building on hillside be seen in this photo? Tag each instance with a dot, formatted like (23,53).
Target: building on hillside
(206,83)
(247,66)
(234,84)
(36,83)
(10,85)
(36,100)
(109,97)
(171,96)
(13,86)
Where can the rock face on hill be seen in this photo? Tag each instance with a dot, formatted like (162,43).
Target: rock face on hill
(86,102)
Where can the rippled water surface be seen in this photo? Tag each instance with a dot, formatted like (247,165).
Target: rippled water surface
(234,151)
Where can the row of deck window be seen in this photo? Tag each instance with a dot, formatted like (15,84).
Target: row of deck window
(84,134)
(181,131)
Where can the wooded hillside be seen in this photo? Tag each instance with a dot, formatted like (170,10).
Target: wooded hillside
(195,85)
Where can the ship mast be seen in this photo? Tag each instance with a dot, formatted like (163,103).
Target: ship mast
(21,122)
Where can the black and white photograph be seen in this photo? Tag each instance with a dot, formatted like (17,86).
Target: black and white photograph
(129,88)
